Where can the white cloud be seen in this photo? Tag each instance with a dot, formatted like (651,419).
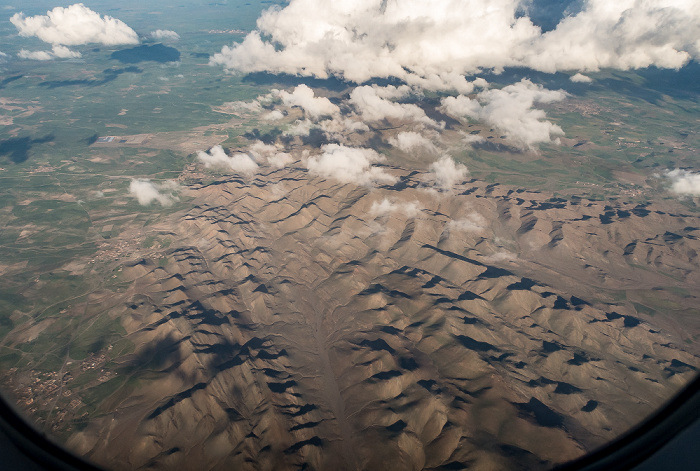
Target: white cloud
(386,206)
(147,192)
(445,82)
(274,115)
(374,103)
(280,160)
(303,97)
(431,43)
(269,153)
(63,52)
(349,165)
(216,157)
(625,34)
(35,55)
(415,40)
(243,106)
(254,106)
(510,110)
(58,51)
(335,129)
(338,128)
(300,128)
(580,78)
(409,141)
(461,106)
(684,182)
(471,138)
(445,173)
(165,35)
(473,222)
(75,25)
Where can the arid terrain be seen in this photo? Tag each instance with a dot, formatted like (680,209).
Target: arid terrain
(299,321)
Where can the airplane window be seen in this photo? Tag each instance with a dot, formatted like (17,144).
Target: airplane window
(373,234)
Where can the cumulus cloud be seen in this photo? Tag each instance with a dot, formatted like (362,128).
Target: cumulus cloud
(269,153)
(349,165)
(374,103)
(75,25)
(445,173)
(165,35)
(255,106)
(35,55)
(339,128)
(414,40)
(299,128)
(411,141)
(63,52)
(243,106)
(684,182)
(473,222)
(510,109)
(336,129)
(304,98)
(386,207)
(627,34)
(433,43)
(580,78)
(274,115)
(146,192)
(472,138)
(280,160)
(58,51)
(448,81)
(217,158)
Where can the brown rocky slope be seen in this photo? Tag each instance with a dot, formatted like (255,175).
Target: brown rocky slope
(295,324)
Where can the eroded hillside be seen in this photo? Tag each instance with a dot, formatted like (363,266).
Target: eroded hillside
(296,321)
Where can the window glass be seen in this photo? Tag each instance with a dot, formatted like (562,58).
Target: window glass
(374,234)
